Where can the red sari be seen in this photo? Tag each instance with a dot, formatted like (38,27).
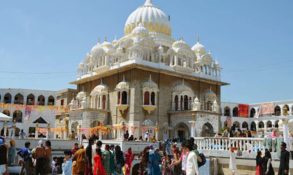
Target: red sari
(128,162)
(98,166)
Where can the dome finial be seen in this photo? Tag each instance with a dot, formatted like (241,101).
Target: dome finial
(197,37)
(148,2)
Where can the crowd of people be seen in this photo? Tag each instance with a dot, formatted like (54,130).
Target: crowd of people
(264,164)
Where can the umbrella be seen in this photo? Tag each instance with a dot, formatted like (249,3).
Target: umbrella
(4,117)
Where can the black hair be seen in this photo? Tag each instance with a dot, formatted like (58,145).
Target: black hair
(99,143)
(48,143)
(27,144)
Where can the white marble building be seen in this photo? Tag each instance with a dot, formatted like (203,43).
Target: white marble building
(147,80)
(28,107)
(280,111)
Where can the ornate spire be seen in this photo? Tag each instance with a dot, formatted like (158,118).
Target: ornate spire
(148,3)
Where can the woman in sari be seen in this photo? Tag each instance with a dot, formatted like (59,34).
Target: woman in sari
(259,161)
(128,161)
(98,165)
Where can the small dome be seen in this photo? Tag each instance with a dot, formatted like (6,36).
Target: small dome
(180,44)
(183,88)
(97,51)
(150,84)
(100,89)
(153,18)
(199,48)
(140,30)
(107,46)
(123,85)
(80,95)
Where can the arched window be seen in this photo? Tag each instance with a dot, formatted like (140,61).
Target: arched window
(277,124)
(261,125)
(6,112)
(30,100)
(185,102)
(236,124)
(269,124)
(146,98)
(253,126)
(235,112)
(17,116)
(7,98)
(277,111)
(176,103)
(227,112)
(51,100)
(119,97)
(153,98)
(245,125)
(41,100)
(286,110)
(18,99)
(124,97)
(252,112)
(104,102)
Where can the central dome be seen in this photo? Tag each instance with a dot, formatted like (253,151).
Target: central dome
(152,18)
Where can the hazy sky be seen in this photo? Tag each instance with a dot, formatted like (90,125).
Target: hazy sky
(42,42)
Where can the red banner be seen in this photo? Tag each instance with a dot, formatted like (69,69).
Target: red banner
(266,109)
(243,110)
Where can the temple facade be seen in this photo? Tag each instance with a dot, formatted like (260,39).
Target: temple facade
(148,82)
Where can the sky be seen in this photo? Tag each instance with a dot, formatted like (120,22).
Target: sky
(42,42)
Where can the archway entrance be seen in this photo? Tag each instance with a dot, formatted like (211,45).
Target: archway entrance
(181,131)
(207,130)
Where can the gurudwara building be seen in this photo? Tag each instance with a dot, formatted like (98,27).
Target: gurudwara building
(148,82)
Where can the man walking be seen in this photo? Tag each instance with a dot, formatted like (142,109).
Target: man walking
(284,160)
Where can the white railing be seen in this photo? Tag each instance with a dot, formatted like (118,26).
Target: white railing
(242,144)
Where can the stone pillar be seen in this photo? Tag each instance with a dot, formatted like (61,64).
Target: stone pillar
(256,125)
(176,60)
(192,128)
(5,128)
(36,131)
(265,126)
(285,131)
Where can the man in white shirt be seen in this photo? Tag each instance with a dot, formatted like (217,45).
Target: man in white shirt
(191,163)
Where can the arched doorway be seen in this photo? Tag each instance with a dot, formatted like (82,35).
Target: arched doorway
(236,124)
(245,125)
(227,112)
(181,131)
(30,100)
(18,99)
(51,100)
(207,130)
(261,124)
(253,126)
(235,112)
(252,112)
(277,111)
(286,110)
(41,100)
(7,98)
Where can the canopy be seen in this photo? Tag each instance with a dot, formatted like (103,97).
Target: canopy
(4,117)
